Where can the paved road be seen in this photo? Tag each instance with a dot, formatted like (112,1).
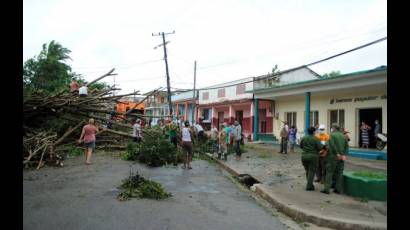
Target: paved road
(84,197)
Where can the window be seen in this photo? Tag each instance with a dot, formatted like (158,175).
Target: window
(205,95)
(205,114)
(221,92)
(338,117)
(240,89)
(291,118)
(314,118)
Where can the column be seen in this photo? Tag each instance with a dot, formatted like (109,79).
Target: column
(230,114)
(307,113)
(177,110)
(212,117)
(186,111)
(255,119)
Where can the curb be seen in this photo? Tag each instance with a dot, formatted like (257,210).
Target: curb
(302,214)
(365,165)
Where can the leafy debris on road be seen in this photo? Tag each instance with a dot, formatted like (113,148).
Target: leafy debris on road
(136,186)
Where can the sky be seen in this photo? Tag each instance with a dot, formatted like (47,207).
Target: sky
(229,39)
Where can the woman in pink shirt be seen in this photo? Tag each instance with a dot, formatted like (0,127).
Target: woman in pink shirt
(88,136)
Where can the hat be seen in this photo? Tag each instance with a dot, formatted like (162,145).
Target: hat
(322,127)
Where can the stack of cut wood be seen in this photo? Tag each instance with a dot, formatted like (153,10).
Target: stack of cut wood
(52,124)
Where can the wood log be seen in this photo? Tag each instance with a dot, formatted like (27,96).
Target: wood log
(103,76)
(67,133)
(117,132)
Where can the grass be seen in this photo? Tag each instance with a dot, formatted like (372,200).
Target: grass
(74,151)
(371,175)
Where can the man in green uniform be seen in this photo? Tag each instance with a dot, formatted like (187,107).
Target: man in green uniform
(334,161)
(311,146)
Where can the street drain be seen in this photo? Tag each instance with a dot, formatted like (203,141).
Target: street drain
(247,180)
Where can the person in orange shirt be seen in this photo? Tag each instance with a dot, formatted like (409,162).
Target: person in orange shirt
(324,138)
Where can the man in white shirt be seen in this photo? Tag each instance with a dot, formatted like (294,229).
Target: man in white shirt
(136,131)
(199,130)
(214,138)
(82,91)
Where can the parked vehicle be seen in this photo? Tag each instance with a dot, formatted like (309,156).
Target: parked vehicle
(381,141)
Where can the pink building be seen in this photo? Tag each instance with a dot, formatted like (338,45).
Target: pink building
(235,100)
(228,102)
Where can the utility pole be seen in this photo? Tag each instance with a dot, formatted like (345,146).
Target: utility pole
(166,67)
(194,94)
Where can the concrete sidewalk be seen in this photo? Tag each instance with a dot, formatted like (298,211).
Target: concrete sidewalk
(283,184)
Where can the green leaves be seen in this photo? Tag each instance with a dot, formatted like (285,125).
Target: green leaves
(49,71)
(137,186)
(331,74)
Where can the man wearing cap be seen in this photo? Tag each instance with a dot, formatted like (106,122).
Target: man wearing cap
(311,147)
(323,138)
(284,139)
(334,160)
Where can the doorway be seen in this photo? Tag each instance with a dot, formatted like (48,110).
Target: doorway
(239,117)
(220,120)
(369,116)
(262,118)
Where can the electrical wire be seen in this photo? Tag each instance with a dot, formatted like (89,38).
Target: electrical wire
(303,66)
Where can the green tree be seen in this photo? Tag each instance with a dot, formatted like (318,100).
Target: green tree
(272,77)
(331,74)
(48,71)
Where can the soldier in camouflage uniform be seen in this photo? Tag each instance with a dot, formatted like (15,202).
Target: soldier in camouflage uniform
(310,156)
(338,147)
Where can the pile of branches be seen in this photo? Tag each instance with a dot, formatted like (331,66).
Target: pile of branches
(52,123)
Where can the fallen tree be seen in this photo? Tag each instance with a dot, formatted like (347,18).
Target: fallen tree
(53,122)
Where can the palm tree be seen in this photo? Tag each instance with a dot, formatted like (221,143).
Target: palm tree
(48,71)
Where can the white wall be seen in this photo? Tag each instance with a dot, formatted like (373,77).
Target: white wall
(230,92)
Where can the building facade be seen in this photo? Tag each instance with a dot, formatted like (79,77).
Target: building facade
(225,103)
(156,106)
(183,105)
(348,100)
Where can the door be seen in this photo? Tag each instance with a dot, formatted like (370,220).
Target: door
(369,116)
(239,116)
(220,120)
(262,120)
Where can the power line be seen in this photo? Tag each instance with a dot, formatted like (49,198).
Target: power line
(310,64)
(122,67)
(354,49)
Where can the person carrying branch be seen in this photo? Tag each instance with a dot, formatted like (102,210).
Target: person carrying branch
(223,150)
(88,137)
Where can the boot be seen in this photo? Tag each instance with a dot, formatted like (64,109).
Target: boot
(219,156)
(225,157)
